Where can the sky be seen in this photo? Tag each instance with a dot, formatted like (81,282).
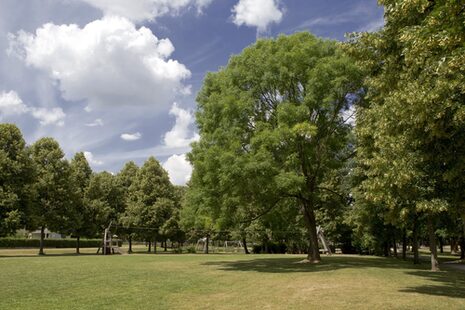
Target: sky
(117,79)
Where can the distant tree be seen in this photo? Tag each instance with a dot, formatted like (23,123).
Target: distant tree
(80,177)
(126,177)
(150,201)
(54,201)
(274,126)
(16,178)
(104,197)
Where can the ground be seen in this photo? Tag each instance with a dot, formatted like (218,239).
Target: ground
(222,281)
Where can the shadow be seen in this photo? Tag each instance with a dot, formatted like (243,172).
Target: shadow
(450,283)
(292,264)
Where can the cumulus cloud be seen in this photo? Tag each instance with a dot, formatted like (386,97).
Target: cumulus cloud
(257,13)
(49,116)
(131,136)
(178,168)
(181,134)
(90,158)
(107,62)
(97,123)
(12,104)
(140,10)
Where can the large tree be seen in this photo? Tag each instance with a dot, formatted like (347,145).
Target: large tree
(16,177)
(54,195)
(273,127)
(150,201)
(412,134)
(81,174)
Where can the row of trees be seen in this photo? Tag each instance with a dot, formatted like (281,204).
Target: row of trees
(280,150)
(40,189)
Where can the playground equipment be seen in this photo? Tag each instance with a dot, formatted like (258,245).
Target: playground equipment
(110,243)
(321,236)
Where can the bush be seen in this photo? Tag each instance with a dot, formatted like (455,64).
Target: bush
(191,249)
(50,243)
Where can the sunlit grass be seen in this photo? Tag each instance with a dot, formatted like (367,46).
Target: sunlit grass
(148,281)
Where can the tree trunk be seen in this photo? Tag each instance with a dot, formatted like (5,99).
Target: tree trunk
(441,245)
(394,241)
(130,244)
(404,244)
(416,256)
(386,249)
(154,245)
(41,246)
(244,243)
(78,244)
(462,243)
(309,216)
(150,246)
(205,249)
(432,245)
(166,246)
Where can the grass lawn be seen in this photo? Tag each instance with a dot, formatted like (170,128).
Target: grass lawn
(147,281)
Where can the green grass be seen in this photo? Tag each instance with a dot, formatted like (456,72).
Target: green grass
(147,281)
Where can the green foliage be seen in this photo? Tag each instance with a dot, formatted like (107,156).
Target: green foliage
(50,243)
(54,195)
(16,177)
(272,131)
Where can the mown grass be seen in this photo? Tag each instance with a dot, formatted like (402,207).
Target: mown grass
(148,281)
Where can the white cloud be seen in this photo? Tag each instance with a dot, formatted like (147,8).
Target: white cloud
(131,136)
(257,13)
(49,116)
(97,123)
(107,62)
(180,135)
(11,104)
(90,158)
(179,169)
(140,10)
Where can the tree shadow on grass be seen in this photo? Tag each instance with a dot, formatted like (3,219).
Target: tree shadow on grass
(450,283)
(46,255)
(292,264)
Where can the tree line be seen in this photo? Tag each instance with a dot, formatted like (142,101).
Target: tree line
(40,189)
(365,138)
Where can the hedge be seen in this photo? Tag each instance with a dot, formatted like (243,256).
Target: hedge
(50,243)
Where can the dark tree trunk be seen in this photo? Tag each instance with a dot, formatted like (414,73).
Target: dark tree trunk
(416,256)
(78,244)
(453,246)
(309,216)
(150,246)
(154,245)
(130,244)
(432,245)
(441,245)
(404,244)
(462,240)
(244,243)
(386,248)
(41,246)
(205,249)
(166,247)
(394,244)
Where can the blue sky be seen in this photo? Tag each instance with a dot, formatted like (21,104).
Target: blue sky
(117,79)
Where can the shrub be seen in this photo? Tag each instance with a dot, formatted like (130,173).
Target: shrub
(50,243)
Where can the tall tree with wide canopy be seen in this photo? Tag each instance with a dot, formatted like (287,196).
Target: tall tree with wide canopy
(16,177)
(54,195)
(412,135)
(273,126)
